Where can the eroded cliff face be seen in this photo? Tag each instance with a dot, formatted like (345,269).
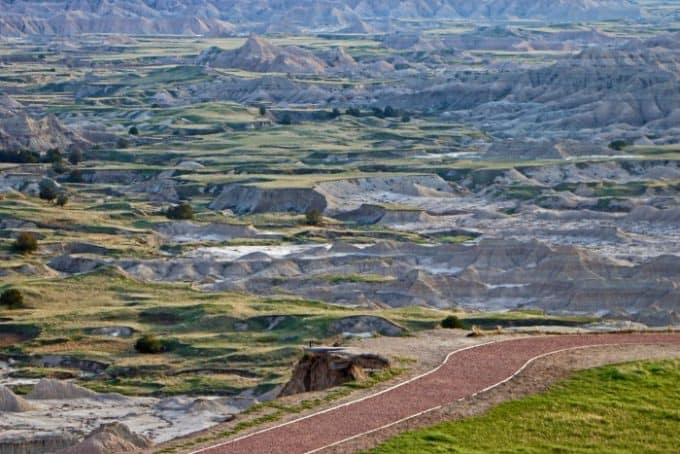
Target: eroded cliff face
(319,371)
(222,17)
(36,444)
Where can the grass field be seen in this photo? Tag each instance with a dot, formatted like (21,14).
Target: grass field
(633,407)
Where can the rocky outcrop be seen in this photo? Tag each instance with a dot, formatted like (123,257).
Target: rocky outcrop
(19,131)
(10,402)
(186,231)
(362,324)
(220,17)
(259,55)
(245,199)
(35,443)
(319,371)
(57,389)
(113,438)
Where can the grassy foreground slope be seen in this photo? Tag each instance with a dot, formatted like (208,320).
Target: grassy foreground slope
(633,407)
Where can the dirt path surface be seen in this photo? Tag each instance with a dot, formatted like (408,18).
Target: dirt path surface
(465,373)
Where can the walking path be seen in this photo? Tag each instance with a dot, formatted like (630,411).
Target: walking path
(464,373)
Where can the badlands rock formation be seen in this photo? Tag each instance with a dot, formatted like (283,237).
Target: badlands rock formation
(259,55)
(221,17)
(113,438)
(10,402)
(632,86)
(318,371)
(21,131)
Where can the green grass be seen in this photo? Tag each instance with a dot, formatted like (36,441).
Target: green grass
(632,407)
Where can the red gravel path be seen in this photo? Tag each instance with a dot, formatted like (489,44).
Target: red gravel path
(465,373)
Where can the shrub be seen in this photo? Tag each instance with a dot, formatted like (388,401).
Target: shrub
(59,167)
(353,111)
(149,343)
(25,243)
(183,211)
(406,118)
(335,113)
(263,111)
(12,298)
(75,176)
(390,112)
(133,131)
(618,145)
(452,322)
(62,199)
(75,157)
(48,190)
(53,155)
(313,217)
(19,157)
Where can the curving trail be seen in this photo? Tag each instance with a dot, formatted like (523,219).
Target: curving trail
(464,373)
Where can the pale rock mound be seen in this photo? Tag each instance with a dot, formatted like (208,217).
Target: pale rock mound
(109,439)
(10,402)
(259,55)
(56,389)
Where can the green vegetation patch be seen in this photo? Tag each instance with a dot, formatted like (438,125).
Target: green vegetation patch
(633,407)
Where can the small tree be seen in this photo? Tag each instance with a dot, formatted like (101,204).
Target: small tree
(453,322)
(25,243)
(59,167)
(47,190)
(183,211)
(62,199)
(150,344)
(12,298)
(133,131)
(263,111)
(313,217)
(75,157)
(406,118)
(390,112)
(53,155)
(335,113)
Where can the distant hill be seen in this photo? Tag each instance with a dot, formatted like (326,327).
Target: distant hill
(224,17)
(258,54)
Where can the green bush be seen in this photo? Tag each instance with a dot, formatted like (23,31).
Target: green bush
(75,157)
(53,155)
(149,344)
(183,211)
(25,243)
(313,217)
(48,190)
(62,199)
(12,298)
(133,131)
(618,145)
(59,167)
(452,322)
